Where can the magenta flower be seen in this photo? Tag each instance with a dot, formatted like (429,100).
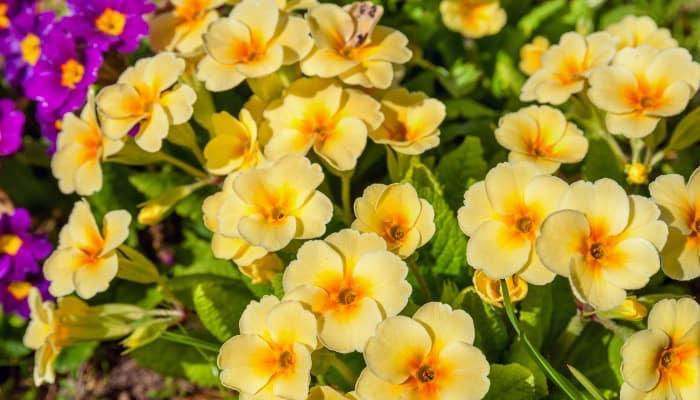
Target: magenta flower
(23,49)
(8,10)
(50,123)
(11,125)
(110,23)
(20,254)
(65,70)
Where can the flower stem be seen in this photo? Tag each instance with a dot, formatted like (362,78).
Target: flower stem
(422,283)
(197,173)
(344,371)
(564,384)
(190,341)
(345,180)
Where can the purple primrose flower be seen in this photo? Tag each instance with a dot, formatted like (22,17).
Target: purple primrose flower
(11,126)
(23,49)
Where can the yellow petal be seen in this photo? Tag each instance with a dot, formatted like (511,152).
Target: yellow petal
(468,372)
(58,269)
(360,105)
(669,192)
(254,318)
(637,260)
(153,130)
(88,178)
(476,210)
(95,278)
(505,185)
(221,36)
(561,236)
(544,192)
(681,256)
(604,201)
(259,15)
(295,385)
(674,317)
(370,386)
(313,216)
(644,222)
(632,125)
(589,284)
(352,244)
(243,360)
(345,335)
(640,358)
(387,285)
(115,227)
(218,77)
(498,250)
(445,325)
(178,104)
(264,64)
(290,322)
(295,39)
(119,101)
(316,264)
(326,63)
(608,86)
(331,26)
(162,71)
(82,227)
(256,230)
(676,64)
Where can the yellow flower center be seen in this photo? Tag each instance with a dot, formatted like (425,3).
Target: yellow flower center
(249,52)
(524,224)
(667,359)
(697,225)
(71,73)
(598,251)
(111,22)
(4,21)
(637,173)
(347,296)
(19,290)
(397,232)
(191,9)
(425,374)
(10,244)
(31,48)
(287,360)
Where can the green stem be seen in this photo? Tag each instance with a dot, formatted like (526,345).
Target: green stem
(344,371)
(422,283)
(564,384)
(564,342)
(197,173)
(190,341)
(345,180)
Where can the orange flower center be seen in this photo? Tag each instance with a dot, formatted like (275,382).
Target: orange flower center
(111,22)
(71,73)
(597,250)
(287,360)
(524,224)
(570,72)
(425,374)
(19,290)
(10,244)
(4,21)
(347,296)
(31,49)
(427,377)
(645,96)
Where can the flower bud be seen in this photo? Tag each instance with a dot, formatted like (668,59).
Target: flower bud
(490,289)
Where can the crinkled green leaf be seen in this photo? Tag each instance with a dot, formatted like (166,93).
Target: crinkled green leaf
(460,167)
(538,15)
(600,162)
(489,323)
(220,307)
(512,382)
(686,133)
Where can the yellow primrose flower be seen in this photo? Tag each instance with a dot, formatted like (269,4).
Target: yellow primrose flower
(351,282)
(263,269)
(144,96)
(428,357)
(490,289)
(328,393)
(255,40)
(351,46)
(79,150)
(288,5)
(272,204)
(271,358)
(630,309)
(85,260)
(182,28)
(566,65)
(663,361)
(642,85)
(680,206)
(541,134)
(231,247)
(397,214)
(531,55)
(234,145)
(502,216)
(411,121)
(319,113)
(637,173)
(634,31)
(603,240)
(473,18)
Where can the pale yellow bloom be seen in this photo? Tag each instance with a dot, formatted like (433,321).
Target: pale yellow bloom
(288,5)
(397,214)
(643,85)
(489,290)
(428,357)
(255,40)
(351,46)
(473,18)
(272,204)
(411,121)
(541,134)
(680,207)
(603,240)
(630,309)
(80,149)
(271,358)
(85,260)
(146,95)
(181,29)
(634,31)
(234,145)
(531,55)
(502,216)
(231,247)
(566,65)
(263,270)
(351,282)
(663,361)
(328,393)
(319,113)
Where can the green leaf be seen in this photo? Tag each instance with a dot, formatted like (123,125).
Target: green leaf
(591,354)
(507,79)
(459,167)
(132,154)
(536,313)
(530,22)
(70,358)
(586,383)
(518,353)
(194,256)
(219,308)
(686,133)
(460,80)
(448,245)
(512,382)
(491,330)
(600,162)
(467,108)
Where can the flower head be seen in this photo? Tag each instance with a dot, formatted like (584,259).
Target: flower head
(11,126)
(8,11)
(255,40)
(531,55)
(351,282)
(319,113)
(473,18)
(234,145)
(680,209)
(86,259)
(20,253)
(663,361)
(146,95)
(29,28)
(411,121)
(108,24)
(272,204)
(263,269)
(566,65)
(81,148)
(603,240)
(634,31)
(643,85)
(489,290)
(428,357)
(541,134)
(351,46)
(182,28)
(502,216)
(397,214)
(271,357)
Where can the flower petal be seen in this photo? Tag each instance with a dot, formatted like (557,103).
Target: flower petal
(497,249)
(635,261)
(476,210)
(313,216)
(590,285)
(669,192)
(674,317)
(561,236)
(344,145)
(95,278)
(468,377)
(316,264)
(445,325)
(640,358)
(115,228)
(290,322)
(385,275)
(344,333)
(153,130)
(244,361)
(295,385)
